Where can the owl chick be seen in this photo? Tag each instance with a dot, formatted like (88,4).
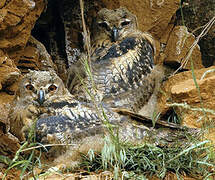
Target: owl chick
(122,62)
(37,90)
(42,94)
(43,103)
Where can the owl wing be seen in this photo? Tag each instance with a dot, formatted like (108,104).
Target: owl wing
(123,73)
(76,122)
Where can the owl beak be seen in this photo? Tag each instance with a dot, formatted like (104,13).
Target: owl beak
(41,96)
(115,34)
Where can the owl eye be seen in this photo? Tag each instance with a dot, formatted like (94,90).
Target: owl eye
(103,25)
(125,23)
(52,88)
(29,87)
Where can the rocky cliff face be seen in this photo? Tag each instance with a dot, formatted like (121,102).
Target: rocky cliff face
(196,14)
(19,51)
(58,27)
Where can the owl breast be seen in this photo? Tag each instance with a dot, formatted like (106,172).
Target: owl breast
(121,73)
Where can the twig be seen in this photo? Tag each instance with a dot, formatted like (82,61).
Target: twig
(85,33)
(202,34)
(205,73)
(46,145)
(186,106)
(88,67)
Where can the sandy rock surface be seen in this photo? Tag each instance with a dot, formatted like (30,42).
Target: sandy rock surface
(178,44)
(17,19)
(196,108)
(9,73)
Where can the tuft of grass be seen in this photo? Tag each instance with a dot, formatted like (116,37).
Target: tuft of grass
(145,160)
(25,162)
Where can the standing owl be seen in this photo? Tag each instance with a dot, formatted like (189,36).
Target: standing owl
(122,62)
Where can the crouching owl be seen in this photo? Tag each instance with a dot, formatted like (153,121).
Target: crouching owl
(121,62)
(42,94)
(42,102)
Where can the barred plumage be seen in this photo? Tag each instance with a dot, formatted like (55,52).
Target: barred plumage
(122,67)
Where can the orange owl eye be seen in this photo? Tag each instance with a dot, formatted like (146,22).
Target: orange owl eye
(52,88)
(29,87)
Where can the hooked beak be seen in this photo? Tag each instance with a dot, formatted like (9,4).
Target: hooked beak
(115,34)
(41,96)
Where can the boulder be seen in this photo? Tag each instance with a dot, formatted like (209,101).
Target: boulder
(8,143)
(9,76)
(33,56)
(196,108)
(178,45)
(17,18)
(9,73)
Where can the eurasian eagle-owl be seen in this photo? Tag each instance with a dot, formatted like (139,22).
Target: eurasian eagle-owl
(121,62)
(42,97)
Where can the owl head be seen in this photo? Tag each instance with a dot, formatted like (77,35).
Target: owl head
(40,87)
(113,25)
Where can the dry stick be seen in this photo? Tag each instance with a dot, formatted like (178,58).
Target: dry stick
(202,34)
(86,38)
(88,48)
(186,106)
(99,109)
(85,33)
(205,73)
